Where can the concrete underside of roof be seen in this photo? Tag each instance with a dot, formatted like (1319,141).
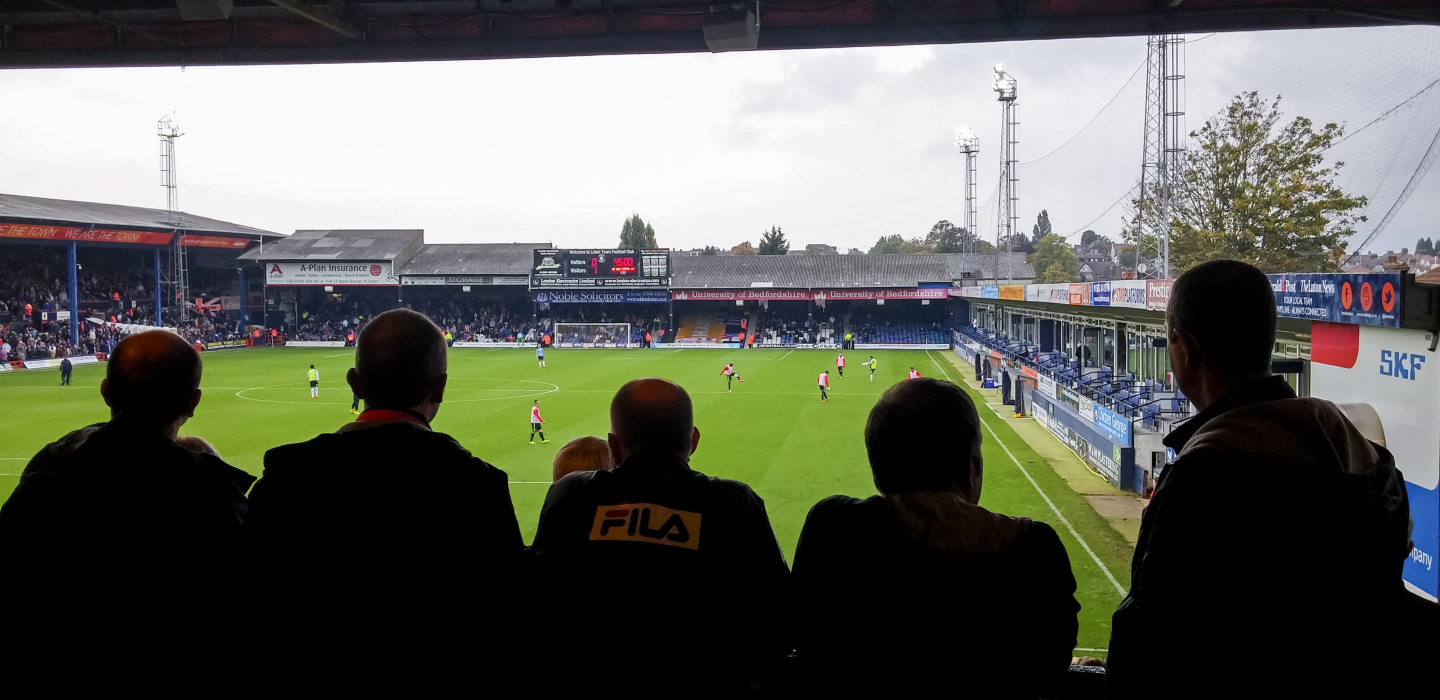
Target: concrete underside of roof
(55,33)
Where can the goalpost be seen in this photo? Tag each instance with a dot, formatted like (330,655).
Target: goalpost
(592,335)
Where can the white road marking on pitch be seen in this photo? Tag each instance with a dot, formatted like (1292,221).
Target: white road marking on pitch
(1041,491)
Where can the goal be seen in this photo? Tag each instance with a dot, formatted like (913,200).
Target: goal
(592,335)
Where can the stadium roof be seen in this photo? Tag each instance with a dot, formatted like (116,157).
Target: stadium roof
(359,245)
(54,33)
(472,259)
(834,271)
(60,212)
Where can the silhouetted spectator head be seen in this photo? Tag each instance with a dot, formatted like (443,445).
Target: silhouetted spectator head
(1221,322)
(583,454)
(195,443)
(153,377)
(924,435)
(652,416)
(400,363)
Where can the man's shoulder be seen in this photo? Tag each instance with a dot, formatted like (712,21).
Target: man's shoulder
(417,447)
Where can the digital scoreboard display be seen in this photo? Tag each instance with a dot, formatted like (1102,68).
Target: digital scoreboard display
(611,267)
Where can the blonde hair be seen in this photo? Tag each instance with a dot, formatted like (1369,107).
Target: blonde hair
(195,443)
(583,454)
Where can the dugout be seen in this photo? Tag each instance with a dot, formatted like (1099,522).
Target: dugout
(180,255)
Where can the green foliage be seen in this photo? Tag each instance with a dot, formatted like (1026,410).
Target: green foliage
(916,246)
(1424,246)
(1089,237)
(709,250)
(1041,228)
(635,233)
(773,242)
(1055,257)
(1127,257)
(1255,190)
(945,237)
(743,249)
(887,245)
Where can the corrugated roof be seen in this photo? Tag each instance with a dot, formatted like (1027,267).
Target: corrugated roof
(472,259)
(396,245)
(64,211)
(833,271)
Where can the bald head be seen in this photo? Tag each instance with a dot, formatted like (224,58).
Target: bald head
(399,359)
(652,415)
(153,376)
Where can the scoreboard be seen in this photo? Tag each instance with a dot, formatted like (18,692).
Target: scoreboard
(610,267)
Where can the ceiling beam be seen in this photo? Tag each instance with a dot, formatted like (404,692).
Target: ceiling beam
(324,16)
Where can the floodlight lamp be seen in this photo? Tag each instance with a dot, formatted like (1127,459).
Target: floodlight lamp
(999,69)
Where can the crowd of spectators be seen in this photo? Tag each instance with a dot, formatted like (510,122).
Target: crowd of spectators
(358,546)
(35,276)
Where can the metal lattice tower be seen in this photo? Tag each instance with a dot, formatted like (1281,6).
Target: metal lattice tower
(969,145)
(1007,211)
(177,282)
(1164,152)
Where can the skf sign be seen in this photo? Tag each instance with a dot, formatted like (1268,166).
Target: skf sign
(632,522)
(1400,365)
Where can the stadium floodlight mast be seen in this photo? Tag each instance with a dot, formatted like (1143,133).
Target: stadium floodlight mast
(1007,204)
(177,284)
(969,145)
(1163,160)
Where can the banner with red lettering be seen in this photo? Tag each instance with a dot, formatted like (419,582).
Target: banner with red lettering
(67,234)
(190,241)
(805,294)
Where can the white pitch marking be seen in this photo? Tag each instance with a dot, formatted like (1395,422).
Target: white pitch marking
(786,354)
(529,482)
(343,354)
(1089,649)
(1041,491)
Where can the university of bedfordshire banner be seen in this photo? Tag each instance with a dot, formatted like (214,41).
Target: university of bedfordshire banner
(315,274)
(595,296)
(1364,299)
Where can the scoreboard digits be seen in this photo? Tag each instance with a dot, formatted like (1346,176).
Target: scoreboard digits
(601,268)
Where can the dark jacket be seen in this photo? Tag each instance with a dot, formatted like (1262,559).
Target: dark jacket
(114,528)
(365,535)
(1273,543)
(682,568)
(923,594)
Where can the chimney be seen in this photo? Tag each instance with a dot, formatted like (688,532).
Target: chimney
(1394,264)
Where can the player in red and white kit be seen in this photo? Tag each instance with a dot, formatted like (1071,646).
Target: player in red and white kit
(536,423)
(840,364)
(824,380)
(913,374)
(730,375)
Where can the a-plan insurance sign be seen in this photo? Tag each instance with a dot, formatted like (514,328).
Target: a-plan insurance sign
(314,274)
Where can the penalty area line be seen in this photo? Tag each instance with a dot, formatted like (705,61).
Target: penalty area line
(1048,502)
(786,354)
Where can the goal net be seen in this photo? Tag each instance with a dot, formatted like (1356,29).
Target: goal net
(592,335)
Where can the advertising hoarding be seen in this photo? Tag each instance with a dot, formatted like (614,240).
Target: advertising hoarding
(1393,371)
(595,296)
(467,280)
(314,274)
(1365,299)
(1129,294)
(1157,294)
(1100,293)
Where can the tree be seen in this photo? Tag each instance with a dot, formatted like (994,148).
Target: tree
(1089,237)
(1041,228)
(1020,244)
(743,249)
(1424,246)
(1127,256)
(945,237)
(709,250)
(1057,260)
(1254,190)
(773,242)
(916,246)
(887,245)
(635,233)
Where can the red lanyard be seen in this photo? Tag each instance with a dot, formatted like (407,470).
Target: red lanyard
(386,414)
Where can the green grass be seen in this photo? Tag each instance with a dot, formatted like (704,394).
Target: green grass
(772,432)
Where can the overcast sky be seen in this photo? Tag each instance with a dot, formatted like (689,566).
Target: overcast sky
(834,146)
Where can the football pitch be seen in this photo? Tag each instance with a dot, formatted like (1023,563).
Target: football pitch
(772,433)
